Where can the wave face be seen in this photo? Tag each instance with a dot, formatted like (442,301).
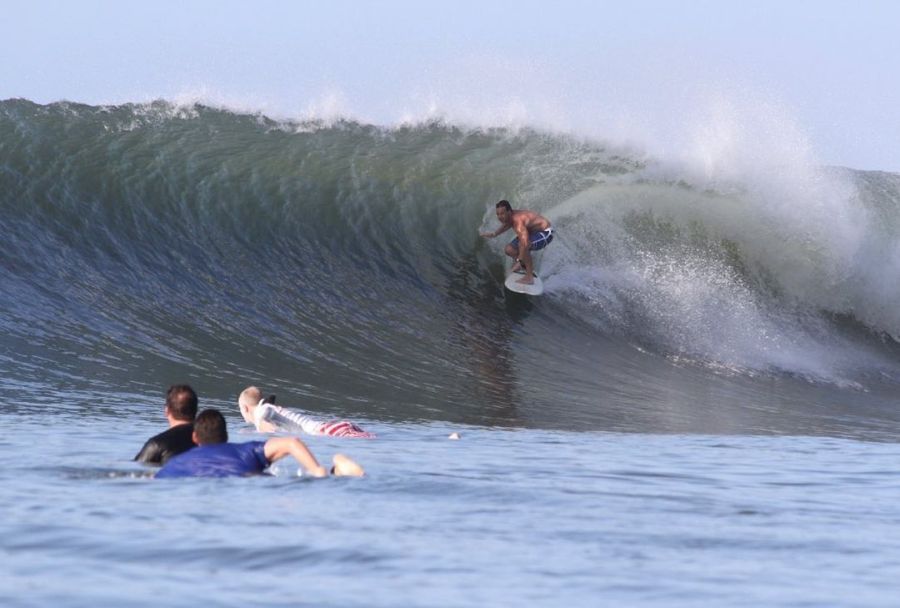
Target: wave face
(147,243)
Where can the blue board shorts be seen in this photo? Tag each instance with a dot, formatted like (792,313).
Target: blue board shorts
(537,240)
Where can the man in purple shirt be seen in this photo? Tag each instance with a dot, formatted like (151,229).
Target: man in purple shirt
(215,457)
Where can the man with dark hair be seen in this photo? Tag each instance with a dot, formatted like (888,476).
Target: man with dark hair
(533,232)
(180,410)
(215,457)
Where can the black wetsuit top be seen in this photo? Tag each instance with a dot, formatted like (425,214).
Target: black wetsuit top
(160,448)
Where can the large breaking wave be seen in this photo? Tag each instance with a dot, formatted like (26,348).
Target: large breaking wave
(345,257)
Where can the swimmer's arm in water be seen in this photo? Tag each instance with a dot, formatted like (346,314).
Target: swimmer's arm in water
(279,447)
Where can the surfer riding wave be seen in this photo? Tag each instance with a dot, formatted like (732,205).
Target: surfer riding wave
(533,232)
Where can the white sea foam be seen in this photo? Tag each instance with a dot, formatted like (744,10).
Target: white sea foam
(733,249)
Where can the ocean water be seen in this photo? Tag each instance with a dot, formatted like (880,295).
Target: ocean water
(700,409)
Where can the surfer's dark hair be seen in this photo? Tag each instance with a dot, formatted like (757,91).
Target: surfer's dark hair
(210,427)
(181,401)
(504,203)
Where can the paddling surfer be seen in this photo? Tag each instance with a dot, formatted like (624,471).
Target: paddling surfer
(533,232)
(268,417)
(216,457)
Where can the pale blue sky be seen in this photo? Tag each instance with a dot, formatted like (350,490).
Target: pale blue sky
(643,72)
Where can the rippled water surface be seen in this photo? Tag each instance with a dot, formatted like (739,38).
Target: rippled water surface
(499,517)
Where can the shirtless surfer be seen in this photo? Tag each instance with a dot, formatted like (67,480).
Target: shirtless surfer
(533,232)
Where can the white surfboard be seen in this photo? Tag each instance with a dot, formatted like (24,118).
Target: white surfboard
(512,284)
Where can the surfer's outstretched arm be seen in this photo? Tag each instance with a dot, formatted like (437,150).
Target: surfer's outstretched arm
(279,447)
(498,231)
(342,465)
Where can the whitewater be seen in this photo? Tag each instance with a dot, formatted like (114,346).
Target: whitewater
(717,346)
